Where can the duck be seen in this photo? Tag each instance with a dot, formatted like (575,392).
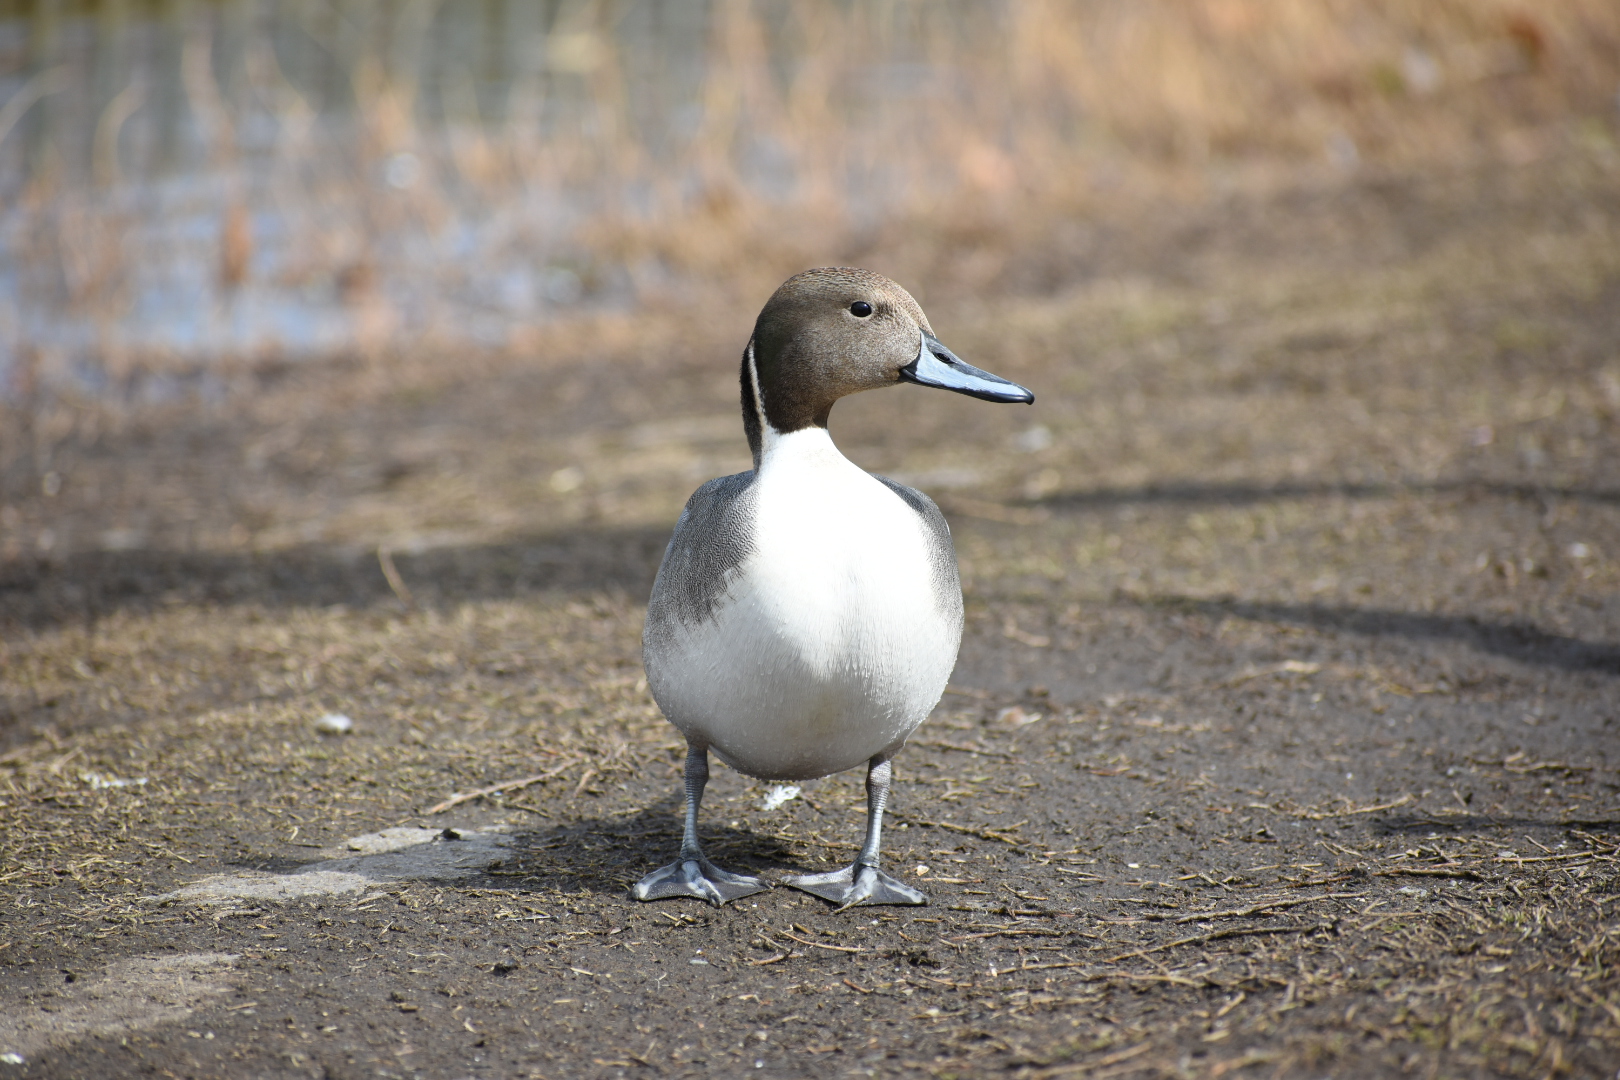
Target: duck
(806,615)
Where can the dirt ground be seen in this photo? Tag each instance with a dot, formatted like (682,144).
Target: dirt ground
(1284,740)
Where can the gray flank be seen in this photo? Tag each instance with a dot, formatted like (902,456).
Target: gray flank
(712,538)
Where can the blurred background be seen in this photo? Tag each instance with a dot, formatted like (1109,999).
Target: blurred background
(186,187)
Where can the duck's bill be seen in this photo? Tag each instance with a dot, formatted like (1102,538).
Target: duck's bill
(938,366)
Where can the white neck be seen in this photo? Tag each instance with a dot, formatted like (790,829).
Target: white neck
(807,446)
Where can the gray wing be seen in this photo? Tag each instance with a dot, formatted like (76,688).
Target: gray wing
(713,537)
(941,552)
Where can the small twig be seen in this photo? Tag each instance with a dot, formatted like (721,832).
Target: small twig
(1415,871)
(162,850)
(496,789)
(1309,816)
(1011,931)
(1535,766)
(817,944)
(982,834)
(941,982)
(589,775)
(1546,858)
(385,558)
(938,745)
(788,838)
(1287,667)
(1118,1055)
(1266,906)
(1253,931)
(1053,966)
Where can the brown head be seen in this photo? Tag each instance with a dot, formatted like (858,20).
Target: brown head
(835,331)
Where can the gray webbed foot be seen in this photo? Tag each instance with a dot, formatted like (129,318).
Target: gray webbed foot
(857,886)
(697,878)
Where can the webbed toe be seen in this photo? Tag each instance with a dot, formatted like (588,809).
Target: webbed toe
(697,878)
(857,886)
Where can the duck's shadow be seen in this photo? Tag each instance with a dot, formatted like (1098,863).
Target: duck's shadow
(608,855)
(597,855)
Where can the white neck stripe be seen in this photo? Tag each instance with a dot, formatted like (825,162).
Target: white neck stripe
(767,434)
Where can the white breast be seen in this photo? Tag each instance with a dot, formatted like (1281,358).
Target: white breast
(832,644)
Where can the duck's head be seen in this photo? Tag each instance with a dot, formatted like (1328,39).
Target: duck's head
(832,332)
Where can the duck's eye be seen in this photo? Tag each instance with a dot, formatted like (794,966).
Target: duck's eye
(860,309)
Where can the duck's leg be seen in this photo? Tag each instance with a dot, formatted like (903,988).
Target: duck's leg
(692,874)
(862,882)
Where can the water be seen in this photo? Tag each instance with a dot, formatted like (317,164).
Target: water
(183,185)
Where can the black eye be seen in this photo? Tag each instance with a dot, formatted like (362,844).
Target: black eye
(860,309)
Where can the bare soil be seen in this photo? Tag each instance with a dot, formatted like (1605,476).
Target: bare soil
(1284,740)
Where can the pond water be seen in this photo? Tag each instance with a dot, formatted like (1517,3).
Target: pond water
(182,185)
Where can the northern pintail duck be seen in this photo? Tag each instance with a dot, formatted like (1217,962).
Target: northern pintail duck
(807,614)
